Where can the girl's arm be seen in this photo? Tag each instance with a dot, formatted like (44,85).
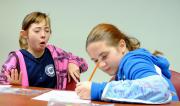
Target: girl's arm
(75,64)
(9,65)
(80,62)
(144,84)
(152,89)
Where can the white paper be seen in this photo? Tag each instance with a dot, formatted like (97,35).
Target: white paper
(61,96)
(5,86)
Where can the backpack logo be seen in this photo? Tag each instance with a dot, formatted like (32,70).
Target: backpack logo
(49,70)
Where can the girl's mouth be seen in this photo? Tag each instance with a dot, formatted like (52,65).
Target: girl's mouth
(42,43)
(107,69)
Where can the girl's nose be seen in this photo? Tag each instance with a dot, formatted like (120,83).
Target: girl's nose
(43,34)
(102,64)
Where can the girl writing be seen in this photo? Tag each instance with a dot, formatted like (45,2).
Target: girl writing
(138,74)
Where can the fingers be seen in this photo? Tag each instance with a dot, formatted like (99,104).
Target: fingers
(82,92)
(69,78)
(13,74)
(78,84)
(74,71)
(78,90)
(74,78)
(14,77)
(78,87)
(20,77)
(77,74)
(8,77)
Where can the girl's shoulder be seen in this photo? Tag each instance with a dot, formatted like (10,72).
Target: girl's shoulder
(15,55)
(138,53)
(12,61)
(53,48)
(56,51)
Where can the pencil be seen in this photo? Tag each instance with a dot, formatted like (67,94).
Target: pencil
(93,72)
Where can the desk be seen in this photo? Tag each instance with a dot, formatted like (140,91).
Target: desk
(26,100)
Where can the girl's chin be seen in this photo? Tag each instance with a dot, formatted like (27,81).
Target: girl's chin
(111,73)
(41,49)
(42,45)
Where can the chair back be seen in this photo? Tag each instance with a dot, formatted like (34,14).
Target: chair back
(175,79)
(71,85)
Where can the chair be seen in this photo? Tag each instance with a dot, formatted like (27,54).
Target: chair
(175,78)
(71,86)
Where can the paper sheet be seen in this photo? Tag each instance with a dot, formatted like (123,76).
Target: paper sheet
(5,86)
(61,96)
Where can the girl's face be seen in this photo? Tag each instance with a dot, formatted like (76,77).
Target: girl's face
(37,36)
(107,56)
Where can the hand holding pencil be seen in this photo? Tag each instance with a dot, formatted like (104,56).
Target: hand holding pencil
(83,89)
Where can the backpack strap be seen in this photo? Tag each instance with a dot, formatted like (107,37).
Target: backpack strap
(23,69)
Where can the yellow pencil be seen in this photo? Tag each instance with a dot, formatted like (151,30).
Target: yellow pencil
(97,65)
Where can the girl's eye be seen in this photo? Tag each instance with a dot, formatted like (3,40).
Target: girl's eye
(47,31)
(36,31)
(104,57)
(95,61)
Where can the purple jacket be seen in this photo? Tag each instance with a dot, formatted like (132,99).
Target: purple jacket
(61,60)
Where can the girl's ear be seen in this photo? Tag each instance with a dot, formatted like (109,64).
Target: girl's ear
(122,46)
(23,33)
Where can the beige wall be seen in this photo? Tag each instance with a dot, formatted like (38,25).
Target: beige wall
(156,23)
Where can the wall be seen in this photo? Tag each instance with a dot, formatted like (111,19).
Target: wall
(156,23)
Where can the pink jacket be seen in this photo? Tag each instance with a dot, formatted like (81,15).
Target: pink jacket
(61,60)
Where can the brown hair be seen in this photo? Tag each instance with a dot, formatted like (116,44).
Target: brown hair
(33,17)
(112,35)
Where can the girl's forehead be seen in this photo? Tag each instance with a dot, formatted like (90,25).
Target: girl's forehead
(97,47)
(98,44)
(40,24)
